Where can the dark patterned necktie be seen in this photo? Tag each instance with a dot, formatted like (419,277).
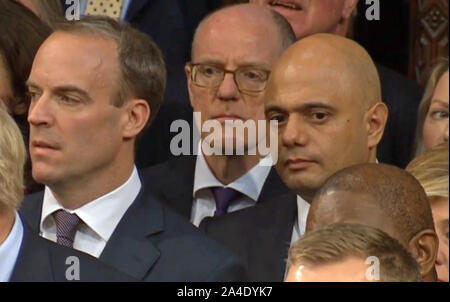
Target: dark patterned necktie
(223,198)
(66,227)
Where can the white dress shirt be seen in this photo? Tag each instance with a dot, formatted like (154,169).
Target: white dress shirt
(9,250)
(300,221)
(99,217)
(250,185)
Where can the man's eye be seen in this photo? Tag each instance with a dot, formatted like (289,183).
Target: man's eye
(320,116)
(33,96)
(209,71)
(254,75)
(67,100)
(280,118)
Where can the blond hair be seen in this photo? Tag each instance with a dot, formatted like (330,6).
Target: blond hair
(12,161)
(431,170)
(437,72)
(338,242)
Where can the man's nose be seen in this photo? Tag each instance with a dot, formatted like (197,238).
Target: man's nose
(39,113)
(228,90)
(294,132)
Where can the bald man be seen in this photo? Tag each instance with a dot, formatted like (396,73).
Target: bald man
(383,197)
(309,17)
(233,52)
(325,94)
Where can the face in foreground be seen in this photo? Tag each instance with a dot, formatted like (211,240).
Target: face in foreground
(349,270)
(439,207)
(75,130)
(435,129)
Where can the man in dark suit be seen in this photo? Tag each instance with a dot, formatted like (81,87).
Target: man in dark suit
(94,85)
(401,95)
(320,131)
(233,52)
(23,255)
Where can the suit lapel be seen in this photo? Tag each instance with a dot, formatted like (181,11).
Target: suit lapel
(31,210)
(273,187)
(179,186)
(130,248)
(33,263)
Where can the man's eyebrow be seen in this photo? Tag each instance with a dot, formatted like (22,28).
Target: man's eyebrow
(240,64)
(30,83)
(71,88)
(302,107)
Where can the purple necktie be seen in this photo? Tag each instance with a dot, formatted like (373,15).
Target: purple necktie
(66,227)
(223,197)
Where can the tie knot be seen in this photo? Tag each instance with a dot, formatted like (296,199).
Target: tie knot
(66,227)
(223,198)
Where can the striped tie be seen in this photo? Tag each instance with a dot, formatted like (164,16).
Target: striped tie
(66,227)
(108,8)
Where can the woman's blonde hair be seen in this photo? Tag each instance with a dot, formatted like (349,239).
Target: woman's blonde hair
(12,161)
(438,70)
(431,170)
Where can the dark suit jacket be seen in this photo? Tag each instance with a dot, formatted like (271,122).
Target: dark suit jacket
(402,96)
(41,260)
(151,243)
(260,235)
(173,182)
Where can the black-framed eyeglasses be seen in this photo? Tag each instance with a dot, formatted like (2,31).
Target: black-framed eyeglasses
(247,78)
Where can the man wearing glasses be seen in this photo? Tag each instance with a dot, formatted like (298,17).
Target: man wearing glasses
(233,52)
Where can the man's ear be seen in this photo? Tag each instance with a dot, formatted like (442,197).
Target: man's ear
(188,71)
(424,248)
(349,8)
(376,118)
(137,115)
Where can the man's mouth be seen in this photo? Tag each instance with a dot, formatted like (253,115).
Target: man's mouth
(288,5)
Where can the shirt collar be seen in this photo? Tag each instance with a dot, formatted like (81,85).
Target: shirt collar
(9,250)
(249,184)
(103,214)
(302,214)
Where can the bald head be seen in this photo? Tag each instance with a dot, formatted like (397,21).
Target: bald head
(237,17)
(378,195)
(340,62)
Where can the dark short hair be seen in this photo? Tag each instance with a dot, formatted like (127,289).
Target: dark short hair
(21,35)
(341,241)
(142,67)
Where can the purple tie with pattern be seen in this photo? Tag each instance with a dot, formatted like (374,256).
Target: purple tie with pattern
(223,197)
(66,227)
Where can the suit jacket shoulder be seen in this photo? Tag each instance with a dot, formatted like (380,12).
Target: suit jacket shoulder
(43,261)
(260,235)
